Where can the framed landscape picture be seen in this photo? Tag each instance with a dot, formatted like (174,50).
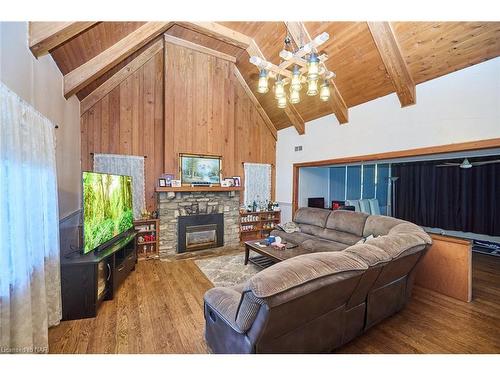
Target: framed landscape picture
(204,169)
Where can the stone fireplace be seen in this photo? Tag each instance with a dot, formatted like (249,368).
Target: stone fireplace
(196,220)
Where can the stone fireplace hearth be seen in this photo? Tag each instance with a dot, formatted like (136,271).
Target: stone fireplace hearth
(173,205)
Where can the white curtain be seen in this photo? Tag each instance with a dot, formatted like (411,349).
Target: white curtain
(30,287)
(128,166)
(257,183)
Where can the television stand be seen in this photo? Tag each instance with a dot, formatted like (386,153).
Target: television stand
(89,279)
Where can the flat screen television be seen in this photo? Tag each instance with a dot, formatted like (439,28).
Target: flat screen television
(107,208)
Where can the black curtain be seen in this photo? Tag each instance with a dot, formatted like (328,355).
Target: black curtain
(450,198)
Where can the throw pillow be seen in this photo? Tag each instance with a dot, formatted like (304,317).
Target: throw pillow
(364,239)
(289,227)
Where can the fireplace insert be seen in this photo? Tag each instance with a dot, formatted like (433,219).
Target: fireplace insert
(198,232)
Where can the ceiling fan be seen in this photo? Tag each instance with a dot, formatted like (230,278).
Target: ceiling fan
(466,164)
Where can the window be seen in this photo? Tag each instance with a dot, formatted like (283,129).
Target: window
(365,181)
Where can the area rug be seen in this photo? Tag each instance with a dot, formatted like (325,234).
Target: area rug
(227,270)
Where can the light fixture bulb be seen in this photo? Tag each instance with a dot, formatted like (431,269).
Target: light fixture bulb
(313,66)
(312,87)
(324,91)
(263,85)
(294,97)
(282,102)
(295,84)
(279,89)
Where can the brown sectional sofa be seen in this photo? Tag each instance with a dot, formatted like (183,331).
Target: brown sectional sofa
(317,302)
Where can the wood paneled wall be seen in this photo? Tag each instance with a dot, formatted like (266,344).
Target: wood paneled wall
(206,112)
(129,121)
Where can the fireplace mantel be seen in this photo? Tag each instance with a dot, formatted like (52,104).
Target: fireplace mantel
(196,188)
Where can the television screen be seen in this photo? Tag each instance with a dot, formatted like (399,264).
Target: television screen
(200,169)
(107,208)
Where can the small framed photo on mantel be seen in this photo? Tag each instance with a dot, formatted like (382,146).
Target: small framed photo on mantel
(237,181)
(162,182)
(227,182)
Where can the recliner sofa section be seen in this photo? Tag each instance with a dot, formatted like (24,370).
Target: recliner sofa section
(316,302)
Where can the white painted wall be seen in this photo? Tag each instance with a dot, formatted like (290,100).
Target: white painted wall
(314,183)
(458,107)
(40,83)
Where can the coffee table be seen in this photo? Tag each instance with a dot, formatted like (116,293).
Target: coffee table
(269,254)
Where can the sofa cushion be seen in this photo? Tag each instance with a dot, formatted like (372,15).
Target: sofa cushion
(347,221)
(319,245)
(313,230)
(295,238)
(300,270)
(338,236)
(225,301)
(401,244)
(379,225)
(413,229)
(312,216)
(369,254)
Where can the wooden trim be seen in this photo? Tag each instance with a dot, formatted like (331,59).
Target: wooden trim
(119,77)
(45,36)
(168,128)
(256,103)
(454,147)
(301,36)
(215,30)
(447,267)
(197,188)
(254,50)
(456,240)
(198,48)
(396,67)
(295,189)
(80,77)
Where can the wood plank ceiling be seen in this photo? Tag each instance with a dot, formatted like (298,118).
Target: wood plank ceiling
(370,61)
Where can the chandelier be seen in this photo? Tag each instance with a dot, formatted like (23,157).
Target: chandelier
(303,67)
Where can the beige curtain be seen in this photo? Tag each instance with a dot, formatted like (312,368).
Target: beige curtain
(30,287)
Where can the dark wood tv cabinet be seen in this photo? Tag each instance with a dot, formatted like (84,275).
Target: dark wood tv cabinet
(89,279)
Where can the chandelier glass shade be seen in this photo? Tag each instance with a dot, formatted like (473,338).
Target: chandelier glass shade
(296,78)
(282,102)
(294,96)
(263,85)
(312,87)
(279,89)
(313,67)
(324,92)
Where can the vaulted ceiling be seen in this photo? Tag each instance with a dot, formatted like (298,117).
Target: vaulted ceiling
(370,60)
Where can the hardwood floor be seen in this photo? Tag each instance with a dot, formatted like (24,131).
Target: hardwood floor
(159,309)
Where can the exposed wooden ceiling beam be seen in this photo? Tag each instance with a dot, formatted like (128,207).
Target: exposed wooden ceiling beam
(218,31)
(252,97)
(125,72)
(80,77)
(45,36)
(199,48)
(301,36)
(396,67)
(295,118)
